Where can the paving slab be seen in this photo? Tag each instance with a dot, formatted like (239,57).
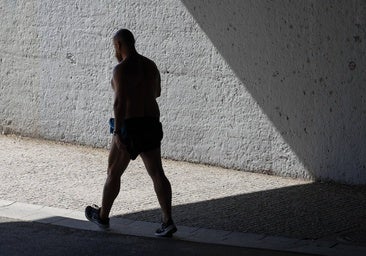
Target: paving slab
(48,215)
(19,210)
(5,203)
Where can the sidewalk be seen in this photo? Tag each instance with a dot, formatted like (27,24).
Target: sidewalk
(278,210)
(44,239)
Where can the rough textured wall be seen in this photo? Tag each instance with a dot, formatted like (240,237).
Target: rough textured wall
(304,64)
(255,85)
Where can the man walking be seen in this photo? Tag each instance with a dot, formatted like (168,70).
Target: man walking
(137,131)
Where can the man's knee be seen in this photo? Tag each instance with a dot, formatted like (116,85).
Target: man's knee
(156,173)
(117,164)
(113,172)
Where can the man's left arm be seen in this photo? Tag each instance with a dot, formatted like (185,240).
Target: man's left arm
(158,85)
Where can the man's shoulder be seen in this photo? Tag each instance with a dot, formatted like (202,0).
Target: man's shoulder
(119,68)
(119,72)
(148,61)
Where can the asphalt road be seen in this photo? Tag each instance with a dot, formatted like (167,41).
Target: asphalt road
(29,238)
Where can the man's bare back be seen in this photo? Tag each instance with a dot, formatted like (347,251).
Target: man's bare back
(139,82)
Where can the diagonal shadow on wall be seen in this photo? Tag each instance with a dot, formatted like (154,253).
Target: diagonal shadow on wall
(303,62)
(310,211)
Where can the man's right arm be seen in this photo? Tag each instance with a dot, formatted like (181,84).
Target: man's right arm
(119,103)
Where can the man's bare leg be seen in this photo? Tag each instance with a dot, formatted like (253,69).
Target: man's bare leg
(117,163)
(163,190)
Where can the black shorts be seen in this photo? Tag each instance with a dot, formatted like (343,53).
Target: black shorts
(141,134)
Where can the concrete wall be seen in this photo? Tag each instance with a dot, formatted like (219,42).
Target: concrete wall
(266,86)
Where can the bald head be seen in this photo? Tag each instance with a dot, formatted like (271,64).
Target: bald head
(124,44)
(125,37)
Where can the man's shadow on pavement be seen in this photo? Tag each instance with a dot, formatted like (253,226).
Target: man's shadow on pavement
(310,211)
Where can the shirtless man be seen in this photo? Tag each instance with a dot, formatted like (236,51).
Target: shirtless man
(137,131)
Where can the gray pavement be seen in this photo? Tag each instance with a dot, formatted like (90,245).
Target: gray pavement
(270,212)
(27,213)
(29,238)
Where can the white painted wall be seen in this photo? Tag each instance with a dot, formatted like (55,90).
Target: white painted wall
(260,86)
